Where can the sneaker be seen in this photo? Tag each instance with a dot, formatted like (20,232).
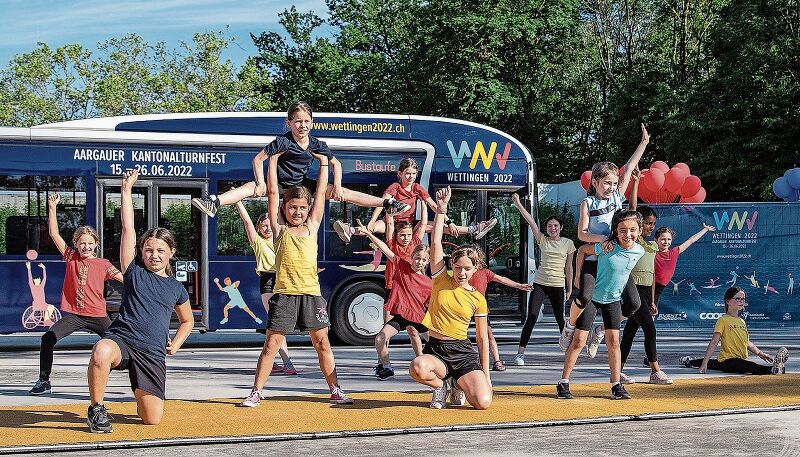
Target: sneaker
(686,361)
(223,321)
(659,377)
(484,227)
(289,370)
(252,400)
(618,392)
(393,206)
(98,419)
(519,360)
(338,397)
(277,369)
(207,204)
(457,396)
(625,379)
(259,321)
(343,230)
(562,391)
(383,373)
(646,363)
(439,397)
(41,387)
(778,363)
(565,340)
(598,334)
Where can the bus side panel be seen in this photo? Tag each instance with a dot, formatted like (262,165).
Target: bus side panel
(241,274)
(16,293)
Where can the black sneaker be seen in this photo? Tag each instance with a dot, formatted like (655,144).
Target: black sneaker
(41,387)
(383,373)
(98,419)
(207,204)
(393,206)
(562,391)
(618,392)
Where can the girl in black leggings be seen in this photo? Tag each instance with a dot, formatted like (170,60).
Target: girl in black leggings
(556,265)
(731,332)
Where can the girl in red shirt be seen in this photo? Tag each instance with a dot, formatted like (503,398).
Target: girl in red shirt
(667,258)
(407,303)
(408,191)
(82,296)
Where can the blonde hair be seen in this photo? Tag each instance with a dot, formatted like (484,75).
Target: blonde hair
(162,234)
(599,171)
(296,192)
(85,230)
(422,249)
(471,252)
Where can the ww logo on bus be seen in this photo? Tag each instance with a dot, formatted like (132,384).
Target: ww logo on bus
(735,219)
(479,153)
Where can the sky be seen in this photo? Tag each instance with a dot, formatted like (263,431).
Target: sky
(87,22)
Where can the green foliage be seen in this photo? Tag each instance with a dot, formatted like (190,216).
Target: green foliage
(6,211)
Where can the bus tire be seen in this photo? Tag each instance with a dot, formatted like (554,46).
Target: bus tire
(357,313)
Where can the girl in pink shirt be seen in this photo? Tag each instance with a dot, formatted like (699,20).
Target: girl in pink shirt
(667,257)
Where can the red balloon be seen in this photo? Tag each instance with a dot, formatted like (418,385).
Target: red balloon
(684,166)
(691,185)
(674,179)
(699,197)
(586,178)
(661,165)
(644,193)
(654,180)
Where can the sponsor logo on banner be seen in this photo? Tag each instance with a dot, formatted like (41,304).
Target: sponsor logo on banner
(479,153)
(719,305)
(735,219)
(787,317)
(755,317)
(711,316)
(671,317)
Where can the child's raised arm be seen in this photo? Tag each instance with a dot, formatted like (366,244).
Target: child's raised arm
(273,197)
(127,245)
(258,172)
(422,225)
(376,213)
(685,245)
(249,228)
(318,206)
(52,222)
(537,234)
(634,160)
(634,200)
(338,193)
(377,241)
(583,227)
(437,251)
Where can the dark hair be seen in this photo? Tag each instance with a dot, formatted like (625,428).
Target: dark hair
(299,106)
(296,192)
(261,219)
(731,292)
(162,234)
(408,162)
(601,170)
(621,216)
(662,230)
(645,211)
(402,226)
(554,218)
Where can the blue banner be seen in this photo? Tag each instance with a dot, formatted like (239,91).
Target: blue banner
(756,247)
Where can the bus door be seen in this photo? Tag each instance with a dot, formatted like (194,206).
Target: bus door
(159,203)
(503,245)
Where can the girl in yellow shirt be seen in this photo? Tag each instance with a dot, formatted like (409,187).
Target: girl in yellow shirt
(448,356)
(731,331)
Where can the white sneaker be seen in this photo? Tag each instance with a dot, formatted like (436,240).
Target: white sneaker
(343,230)
(519,360)
(481,231)
(457,397)
(659,377)
(598,334)
(565,340)
(779,362)
(252,400)
(625,379)
(439,397)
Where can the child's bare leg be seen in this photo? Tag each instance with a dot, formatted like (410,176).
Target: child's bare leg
(237,194)
(356,198)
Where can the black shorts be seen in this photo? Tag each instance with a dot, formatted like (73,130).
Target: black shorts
(612,316)
(145,371)
(305,312)
(400,323)
(458,356)
(266,282)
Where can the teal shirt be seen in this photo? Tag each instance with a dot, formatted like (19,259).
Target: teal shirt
(613,270)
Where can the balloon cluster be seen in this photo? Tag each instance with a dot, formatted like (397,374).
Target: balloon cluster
(662,184)
(787,186)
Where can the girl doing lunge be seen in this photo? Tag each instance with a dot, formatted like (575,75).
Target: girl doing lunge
(448,356)
(138,339)
(82,296)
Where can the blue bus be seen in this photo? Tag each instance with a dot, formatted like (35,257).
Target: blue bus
(182,156)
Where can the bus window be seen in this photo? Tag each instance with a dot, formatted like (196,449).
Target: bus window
(23,211)
(503,252)
(359,247)
(462,212)
(231,237)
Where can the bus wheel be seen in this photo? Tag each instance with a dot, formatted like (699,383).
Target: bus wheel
(358,313)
